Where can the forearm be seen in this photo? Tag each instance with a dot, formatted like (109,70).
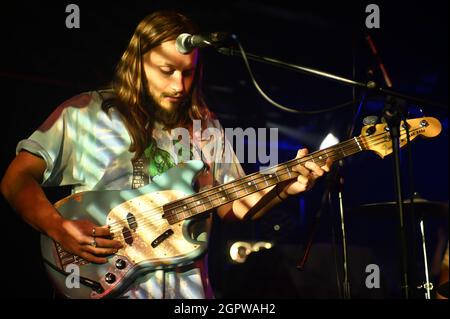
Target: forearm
(27,198)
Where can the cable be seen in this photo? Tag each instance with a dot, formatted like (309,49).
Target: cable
(277,105)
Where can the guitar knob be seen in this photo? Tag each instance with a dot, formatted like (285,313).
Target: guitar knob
(424,123)
(120,264)
(110,278)
(405,126)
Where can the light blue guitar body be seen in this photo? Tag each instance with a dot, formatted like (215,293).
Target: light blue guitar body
(135,218)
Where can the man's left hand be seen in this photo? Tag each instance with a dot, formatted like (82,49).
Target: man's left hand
(309,172)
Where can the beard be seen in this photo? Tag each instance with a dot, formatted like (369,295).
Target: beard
(169,118)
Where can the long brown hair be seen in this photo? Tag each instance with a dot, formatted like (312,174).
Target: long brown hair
(129,83)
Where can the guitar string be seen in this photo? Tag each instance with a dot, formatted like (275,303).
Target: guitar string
(372,141)
(222,188)
(226,187)
(159,209)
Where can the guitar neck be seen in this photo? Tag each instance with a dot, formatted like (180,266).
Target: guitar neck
(217,196)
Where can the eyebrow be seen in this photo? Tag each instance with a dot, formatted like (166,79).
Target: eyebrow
(167,64)
(174,66)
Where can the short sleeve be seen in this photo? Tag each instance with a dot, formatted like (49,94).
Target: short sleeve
(56,141)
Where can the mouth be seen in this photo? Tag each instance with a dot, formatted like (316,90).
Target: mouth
(173,98)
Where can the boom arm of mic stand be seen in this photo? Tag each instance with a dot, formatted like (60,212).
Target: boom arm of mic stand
(371,85)
(295,67)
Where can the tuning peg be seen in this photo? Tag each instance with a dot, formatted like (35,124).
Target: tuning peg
(370,120)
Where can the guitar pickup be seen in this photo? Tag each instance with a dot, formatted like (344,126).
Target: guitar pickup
(162,237)
(127,236)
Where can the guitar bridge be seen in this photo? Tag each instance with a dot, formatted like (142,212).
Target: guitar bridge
(66,258)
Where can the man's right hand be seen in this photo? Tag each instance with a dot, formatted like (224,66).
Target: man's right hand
(85,239)
(21,188)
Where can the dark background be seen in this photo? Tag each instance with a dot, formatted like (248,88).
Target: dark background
(43,63)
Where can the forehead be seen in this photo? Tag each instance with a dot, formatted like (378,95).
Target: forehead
(167,54)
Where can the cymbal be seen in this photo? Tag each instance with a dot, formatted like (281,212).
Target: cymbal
(427,208)
(443,290)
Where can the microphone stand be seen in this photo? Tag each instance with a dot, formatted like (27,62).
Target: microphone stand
(335,182)
(412,216)
(392,115)
(370,85)
(347,293)
(338,184)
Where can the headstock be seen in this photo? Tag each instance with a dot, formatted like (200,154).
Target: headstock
(377,137)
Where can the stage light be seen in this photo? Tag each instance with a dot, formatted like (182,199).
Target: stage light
(328,141)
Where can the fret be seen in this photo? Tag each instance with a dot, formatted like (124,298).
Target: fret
(218,194)
(197,204)
(265,179)
(172,219)
(217,201)
(246,190)
(356,140)
(224,195)
(272,182)
(236,192)
(196,208)
(289,172)
(184,211)
(210,203)
(220,198)
(256,185)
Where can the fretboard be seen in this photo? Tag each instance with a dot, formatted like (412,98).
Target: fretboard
(217,196)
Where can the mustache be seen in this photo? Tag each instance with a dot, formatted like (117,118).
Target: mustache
(178,96)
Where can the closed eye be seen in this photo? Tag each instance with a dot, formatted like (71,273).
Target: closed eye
(167,71)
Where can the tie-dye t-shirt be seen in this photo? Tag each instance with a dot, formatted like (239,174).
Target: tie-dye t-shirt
(88,148)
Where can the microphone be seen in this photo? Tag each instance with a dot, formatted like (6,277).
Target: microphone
(186,42)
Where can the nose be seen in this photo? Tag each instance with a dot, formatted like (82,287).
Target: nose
(178,83)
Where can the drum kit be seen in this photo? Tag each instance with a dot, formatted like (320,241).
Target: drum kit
(422,207)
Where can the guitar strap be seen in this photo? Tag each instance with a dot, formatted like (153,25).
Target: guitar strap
(140,175)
